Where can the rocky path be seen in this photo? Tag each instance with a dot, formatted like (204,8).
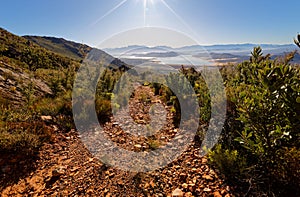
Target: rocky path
(66,168)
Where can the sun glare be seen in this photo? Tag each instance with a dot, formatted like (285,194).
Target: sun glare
(147,4)
(148,1)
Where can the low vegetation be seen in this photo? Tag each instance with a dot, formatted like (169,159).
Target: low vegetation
(40,61)
(259,149)
(23,104)
(260,145)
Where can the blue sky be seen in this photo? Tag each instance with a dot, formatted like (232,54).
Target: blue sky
(206,21)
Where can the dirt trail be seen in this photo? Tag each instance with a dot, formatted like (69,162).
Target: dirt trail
(66,168)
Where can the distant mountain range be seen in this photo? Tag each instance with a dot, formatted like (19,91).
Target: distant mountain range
(157,54)
(197,54)
(234,48)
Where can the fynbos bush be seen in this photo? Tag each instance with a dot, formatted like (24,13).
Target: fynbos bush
(264,96)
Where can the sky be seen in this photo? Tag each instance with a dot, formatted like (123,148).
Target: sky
(206,22)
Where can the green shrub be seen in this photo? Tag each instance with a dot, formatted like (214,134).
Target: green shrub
(21,132)
(154,144)
(16,142)
(54,106)
(229,162)
(263,124)
(103,109)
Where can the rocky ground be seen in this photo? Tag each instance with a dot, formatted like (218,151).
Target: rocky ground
(65,167)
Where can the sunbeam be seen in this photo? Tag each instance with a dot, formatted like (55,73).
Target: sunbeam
(145,6)
(145,10)
(177,16)
(109,12)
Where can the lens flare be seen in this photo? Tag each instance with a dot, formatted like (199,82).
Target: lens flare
(109,12)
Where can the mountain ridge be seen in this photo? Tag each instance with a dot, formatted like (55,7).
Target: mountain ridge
(61,45)
(129,47)
(219,54)
(73,50)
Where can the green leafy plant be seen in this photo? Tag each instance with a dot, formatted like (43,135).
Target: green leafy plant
(263,125)
(229,162)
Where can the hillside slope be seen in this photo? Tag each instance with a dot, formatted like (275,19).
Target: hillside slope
(29,55)
(28,70)
(73,50)
(61,46)
(41,61)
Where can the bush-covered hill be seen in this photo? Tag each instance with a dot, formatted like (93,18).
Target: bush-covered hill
(73,50)
(61,46)
(36,80)
(29,55)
